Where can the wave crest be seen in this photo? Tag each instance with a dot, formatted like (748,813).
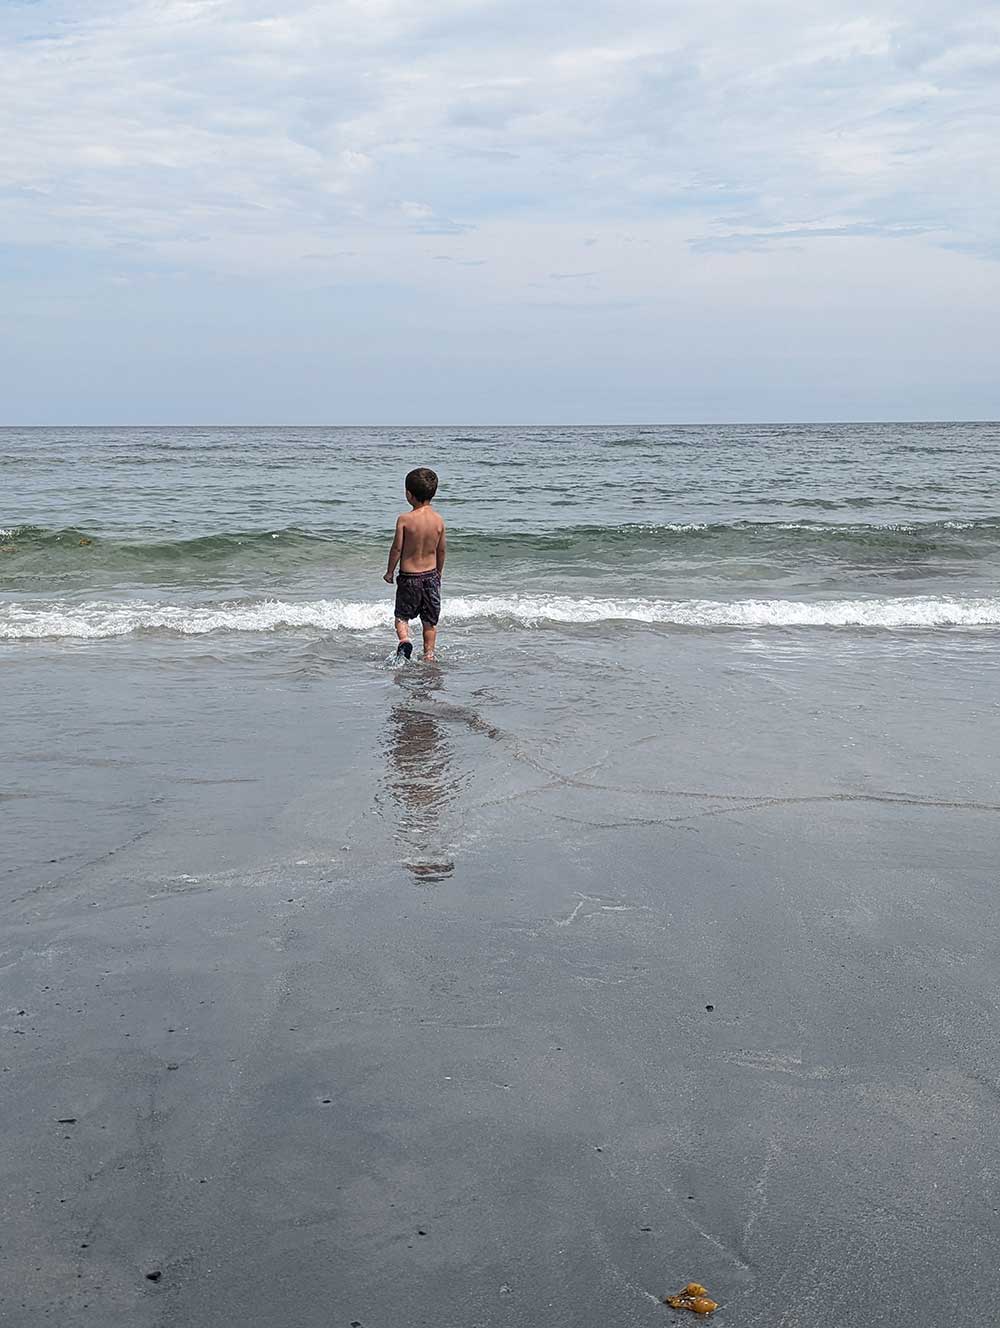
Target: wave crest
(35,549)
(101,620)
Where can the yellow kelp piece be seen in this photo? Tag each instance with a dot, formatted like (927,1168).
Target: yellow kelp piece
(694,1297)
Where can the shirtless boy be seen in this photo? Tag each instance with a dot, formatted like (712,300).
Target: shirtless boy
(419,548)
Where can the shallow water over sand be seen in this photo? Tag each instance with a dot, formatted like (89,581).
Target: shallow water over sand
(380,994)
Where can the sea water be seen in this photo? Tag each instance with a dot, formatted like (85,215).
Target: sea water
(282,534)
(760,612)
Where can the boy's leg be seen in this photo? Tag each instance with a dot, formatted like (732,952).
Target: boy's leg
(430,610)
(405,648)
(403,611)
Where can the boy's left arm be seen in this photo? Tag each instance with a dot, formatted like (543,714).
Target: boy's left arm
(442,551)
(395,551)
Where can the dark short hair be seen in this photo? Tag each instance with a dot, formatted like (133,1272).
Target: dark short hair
(422,483)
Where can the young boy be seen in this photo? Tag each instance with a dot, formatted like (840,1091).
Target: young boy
(419,548)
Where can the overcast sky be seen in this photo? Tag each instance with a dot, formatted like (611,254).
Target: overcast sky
(460,211)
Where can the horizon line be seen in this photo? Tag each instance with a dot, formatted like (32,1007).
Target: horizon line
(593,424)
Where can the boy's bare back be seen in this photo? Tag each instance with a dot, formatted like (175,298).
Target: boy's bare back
(418,548)
(421,534)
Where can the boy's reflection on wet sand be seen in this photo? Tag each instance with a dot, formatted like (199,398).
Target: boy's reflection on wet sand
(424,776)
(421,774)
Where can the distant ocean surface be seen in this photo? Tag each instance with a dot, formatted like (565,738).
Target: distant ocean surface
(282,532)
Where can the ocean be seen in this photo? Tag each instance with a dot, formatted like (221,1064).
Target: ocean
(278,533)
(647,936)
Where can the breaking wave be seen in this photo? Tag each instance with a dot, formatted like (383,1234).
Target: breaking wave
(96,620)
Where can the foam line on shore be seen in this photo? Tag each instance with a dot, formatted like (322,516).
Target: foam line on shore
(103,619)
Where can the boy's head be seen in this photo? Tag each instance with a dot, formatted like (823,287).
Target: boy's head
(422,484)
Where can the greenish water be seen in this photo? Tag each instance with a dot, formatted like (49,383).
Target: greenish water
(109,533)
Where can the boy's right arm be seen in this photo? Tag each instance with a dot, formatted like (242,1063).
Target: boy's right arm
(395,551)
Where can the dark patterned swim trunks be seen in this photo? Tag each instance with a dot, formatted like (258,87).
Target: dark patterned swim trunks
(418,595)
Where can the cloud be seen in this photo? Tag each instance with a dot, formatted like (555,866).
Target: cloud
(740,241)
(443,165)
(177,124)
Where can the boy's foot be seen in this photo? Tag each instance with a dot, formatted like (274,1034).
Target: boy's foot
(404,649)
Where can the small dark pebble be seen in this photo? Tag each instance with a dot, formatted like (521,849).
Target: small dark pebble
(154,1276)
(421,1233)
(355,1323)
(645,1228)
(66,1120)
(327,1101)
(84,1246)
(598,1150)
(173,1066)
(709,1008)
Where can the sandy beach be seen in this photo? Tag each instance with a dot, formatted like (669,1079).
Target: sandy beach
(421,1003)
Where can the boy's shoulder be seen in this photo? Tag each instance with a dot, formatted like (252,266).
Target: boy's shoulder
(420,514)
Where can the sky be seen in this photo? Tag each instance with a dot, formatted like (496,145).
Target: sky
(498,211)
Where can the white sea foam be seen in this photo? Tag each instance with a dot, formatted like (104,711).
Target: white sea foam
(102,619)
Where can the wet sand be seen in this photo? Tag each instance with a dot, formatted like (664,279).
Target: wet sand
(418,1018)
